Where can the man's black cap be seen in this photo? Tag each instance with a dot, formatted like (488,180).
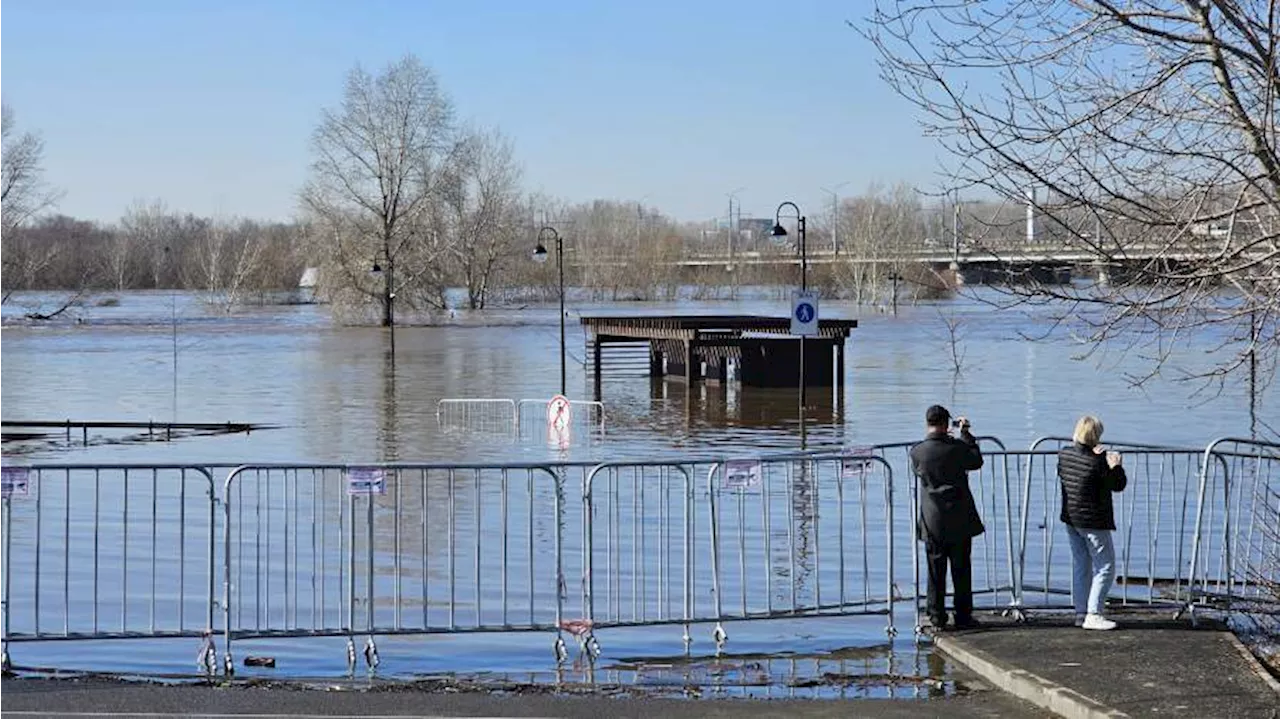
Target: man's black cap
(937,416)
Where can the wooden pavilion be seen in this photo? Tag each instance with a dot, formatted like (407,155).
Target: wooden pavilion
(756,351)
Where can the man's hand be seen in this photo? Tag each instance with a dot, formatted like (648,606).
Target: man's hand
(963,424)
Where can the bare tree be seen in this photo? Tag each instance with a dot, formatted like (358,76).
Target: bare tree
(880,226)
(1144,133)
(480,211)
(954,337)
(141,233)
(23,195)
(377,162)
(228,254)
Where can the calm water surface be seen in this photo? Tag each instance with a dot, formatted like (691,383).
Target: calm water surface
(336,397)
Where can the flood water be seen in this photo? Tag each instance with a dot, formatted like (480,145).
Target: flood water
(334,395)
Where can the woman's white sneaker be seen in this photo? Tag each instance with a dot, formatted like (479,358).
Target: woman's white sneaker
(1097,621)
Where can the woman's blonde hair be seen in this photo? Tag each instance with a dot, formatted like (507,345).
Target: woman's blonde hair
(1088,431)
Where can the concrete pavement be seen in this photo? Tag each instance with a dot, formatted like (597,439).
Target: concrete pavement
(1152,666)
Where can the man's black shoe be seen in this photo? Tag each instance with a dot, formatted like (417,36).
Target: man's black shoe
(968,623)
(938,625)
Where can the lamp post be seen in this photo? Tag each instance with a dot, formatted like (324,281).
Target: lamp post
(835,215)
(173,313)
(895,277)
(780,231)
(540,255)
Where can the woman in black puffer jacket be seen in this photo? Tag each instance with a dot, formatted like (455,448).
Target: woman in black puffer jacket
(1088,477)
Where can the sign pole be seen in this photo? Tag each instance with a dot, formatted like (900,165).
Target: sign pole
(804,287)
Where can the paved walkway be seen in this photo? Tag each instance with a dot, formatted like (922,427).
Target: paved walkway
(1152,666)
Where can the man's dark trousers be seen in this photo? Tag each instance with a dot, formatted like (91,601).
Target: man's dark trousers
(939,555)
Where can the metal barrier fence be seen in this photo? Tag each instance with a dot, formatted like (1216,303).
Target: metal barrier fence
(107,552)
(1153,536)
(486,416)
(997,494)
(756,539)
(343,550)
(518,420)
(130,551)
(1235,559)
(586,418)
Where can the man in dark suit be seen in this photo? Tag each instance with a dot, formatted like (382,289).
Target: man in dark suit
(948,519)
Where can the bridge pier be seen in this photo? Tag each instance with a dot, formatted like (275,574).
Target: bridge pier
(957,273)
(1103,274)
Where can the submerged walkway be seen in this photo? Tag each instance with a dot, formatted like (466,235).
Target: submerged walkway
(1152,666)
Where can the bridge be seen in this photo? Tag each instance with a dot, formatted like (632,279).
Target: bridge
(1004,254)
(1045,260)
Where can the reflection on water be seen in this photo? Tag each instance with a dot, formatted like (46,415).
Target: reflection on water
(339,397)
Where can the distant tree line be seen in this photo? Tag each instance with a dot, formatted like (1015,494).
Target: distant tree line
(408,209)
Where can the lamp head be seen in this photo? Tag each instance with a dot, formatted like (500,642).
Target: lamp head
(778,230)
(540,253)
(376,269)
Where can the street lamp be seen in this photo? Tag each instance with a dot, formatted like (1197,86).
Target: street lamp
(895,277)
(780,231)
(540,255)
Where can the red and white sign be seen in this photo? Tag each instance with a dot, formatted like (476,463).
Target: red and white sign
(559,421)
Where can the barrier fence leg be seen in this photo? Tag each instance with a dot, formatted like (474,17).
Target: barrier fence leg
(5,666)
(719,635)
(562,589)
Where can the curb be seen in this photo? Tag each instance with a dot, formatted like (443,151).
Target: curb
(1254,663)
(1027,686)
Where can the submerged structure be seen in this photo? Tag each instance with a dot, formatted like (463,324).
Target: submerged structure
(755,351)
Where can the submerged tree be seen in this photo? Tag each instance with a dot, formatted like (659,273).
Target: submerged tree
(479,213)
(378,159)
(1144,133)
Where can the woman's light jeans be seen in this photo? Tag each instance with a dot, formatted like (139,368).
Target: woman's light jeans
(1093,568)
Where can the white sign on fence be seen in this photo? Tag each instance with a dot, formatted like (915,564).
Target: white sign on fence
(741,474)
(804,313)
(14,480)
(366,480)
(856,462)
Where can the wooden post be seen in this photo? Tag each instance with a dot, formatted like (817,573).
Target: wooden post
(840,375)
(597,351)
(690,371)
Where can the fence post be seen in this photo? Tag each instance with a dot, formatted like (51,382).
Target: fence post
(891,630)
(5,664)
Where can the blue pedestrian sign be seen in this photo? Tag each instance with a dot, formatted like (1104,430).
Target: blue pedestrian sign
(804,314)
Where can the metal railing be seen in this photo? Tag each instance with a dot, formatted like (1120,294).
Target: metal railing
(1235,558)
(390,549)
(486,416)
(586,418)
(518,420)
(1153,536)
(360,551)
(109,552)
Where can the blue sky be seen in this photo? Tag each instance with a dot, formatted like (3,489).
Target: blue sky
(209,105)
